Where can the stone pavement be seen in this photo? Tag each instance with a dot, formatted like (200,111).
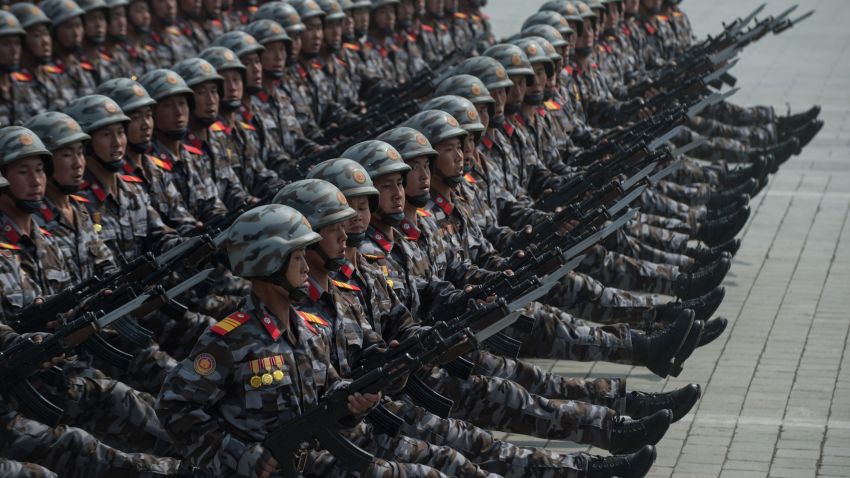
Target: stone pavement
(776,386)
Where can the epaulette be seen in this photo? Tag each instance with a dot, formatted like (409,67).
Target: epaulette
(541,111)
(227,324)
(193,149)
(96,189)
(487,142)
(247,126)
(105,57)
(443,27)
(475,17)
(263,96)
(678,14)
(86,66)
(411,37)
(595,66)
(44,231)
(78,198)
(341,62)
(174,30)
(569,69)
(53,69)
(11,247)
(428,28)
(423,213)
(301,71)
(129,178)
(468,177)
(663,18)
(316,65)
(21,76)
(461,16)
(345,285)
(351,46)
(216,22)
(373,257)
(218,126)
(162,163)
(149,47)
(551,105)
(313,319)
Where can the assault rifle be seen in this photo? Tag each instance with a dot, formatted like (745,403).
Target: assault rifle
(25,358)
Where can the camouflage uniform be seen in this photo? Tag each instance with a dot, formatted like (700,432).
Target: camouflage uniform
(16,469)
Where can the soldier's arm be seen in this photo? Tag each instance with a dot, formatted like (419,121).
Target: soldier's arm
(161,237)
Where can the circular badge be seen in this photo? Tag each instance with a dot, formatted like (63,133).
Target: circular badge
(204,364)
(306,222)
(70,5)
(276,28)
(476,90)
(472,115)
(250,40)
(34,10)
(72,125)
(392,154)
(278,375)
(256,381)
(228,55)
(532,50)
(10,21)
(563,21)
(267,379)
(138,90)
(516,60)
(500,73)
(421,139)
(26,139)
(334,7)
(294,18)
(341,198)
(171,79)
(110,107)
(359,177)
(206,68)
(451,120)
(311,5)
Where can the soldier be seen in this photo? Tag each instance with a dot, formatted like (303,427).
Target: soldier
(95,28)
(144,47)
(267,354)
(37,55)
(117,40)
(67,29)
(19,95)
(166,33)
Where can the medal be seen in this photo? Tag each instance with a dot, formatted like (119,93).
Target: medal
(267,379)
(256,381)
(278,363)
(278,375)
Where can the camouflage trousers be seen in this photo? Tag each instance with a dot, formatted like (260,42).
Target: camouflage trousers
(502,405)
(665,239)
(585,297)
(607,392)
(693,171)
(73,451)
(16,469)
(695,194)
(653,201)
(715,148)
(621,241)
(479,445)
(321,464)
(405,449)
(176,331)
(664,222)
(736,115)
(618,270)
(757,136)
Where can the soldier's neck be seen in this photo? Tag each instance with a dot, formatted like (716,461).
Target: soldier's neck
(59,199)
(443,189)
(351,255)
(384,229)
(274,299)
(134,158)
(410,212)
(269,84)
(108,180)
(21,219)
(173,146)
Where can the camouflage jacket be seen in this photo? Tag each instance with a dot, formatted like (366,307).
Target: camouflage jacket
(384,57)
(276,113)
(192,175)
(181,46)
(600,106)
(164,196)
(326,110)
(40,258)
(532,174)
(297,86)
(128,224)
(229,187)
(394,261)
(346,92)
(238,146)
(429,44)
(139,59)
(17,289)
(80,78)
(246,376)
(23,99)
(85,253)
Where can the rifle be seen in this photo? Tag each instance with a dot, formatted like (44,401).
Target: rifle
(25,358)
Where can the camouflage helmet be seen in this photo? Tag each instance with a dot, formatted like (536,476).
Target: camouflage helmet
(486,69)
(129,94)
(89,6)
(239,42)
(551,18)
(196,71)
(536,53)
(222,59)
(585,11)
(307,9)
(596,4)
(564,7)
(56,129)
(467,86)
(410,143)
(378,158)
(260,241)
(267,31)
(380,3)
(437,126)
(3,182)
(459,107)
(17,142)
(9,25)
(162,83)
(322,203)
(117,3)
(348,175)
(332,9)
(60,11)
(550,33)
(94,112)
(29,15)
(355,4)
(282,13)
(512,57)
(548,48)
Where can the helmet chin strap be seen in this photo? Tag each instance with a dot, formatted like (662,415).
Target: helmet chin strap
(331,263)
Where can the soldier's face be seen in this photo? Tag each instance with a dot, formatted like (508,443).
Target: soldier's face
(212,7)
(296,45)
(95,25)
(252,62)
(348,24)
(435,7)
(10,50)
(501,97)
(613,18)
(232,85)
(384,18)
(333,34)
(140,15)
(273,57)
(172,113)
(419,177)
(26,178)
(361,221)
(69,164)
(191,7)
(587,34)
(39,42)
(406,11)
(70,34)
(109,143)
(391,193)
(540,79)
(483,114)
(140,128)
(297,270)
(517,92)
(631,6)
(469,149)
(450,159)
(361,19)
(118,22)
(333,239)
(651,6)
(311,38)
(165,10)
(206,100)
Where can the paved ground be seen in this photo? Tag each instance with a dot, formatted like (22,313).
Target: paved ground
(777,386)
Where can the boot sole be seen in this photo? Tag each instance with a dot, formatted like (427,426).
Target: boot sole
(687,348)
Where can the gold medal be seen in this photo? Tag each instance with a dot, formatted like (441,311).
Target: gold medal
(267,379)
(256,381)
(278,375)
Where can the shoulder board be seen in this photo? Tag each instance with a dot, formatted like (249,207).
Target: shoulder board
(149,47)
(316,65)
(162,163)
(216,22)
(44,231)
(340,62)
(226,325)
(595,66)
(130,178)
(423,213)
(461,16)
(79,199)
(86,66)
(678,14)
(475,17)
(552,105)
(468,177)
(301,71)
(428,28)
(601,49)
(351,46)
(247,126)
(345,285)
(411,37)
(443,26)
(313,318)
(373,257)
(173,30)
(11,247)
(263,96)
(53,69)
(193,150)
(21,76)
(105,56)
(218,126)
(487,142)
(663,18)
